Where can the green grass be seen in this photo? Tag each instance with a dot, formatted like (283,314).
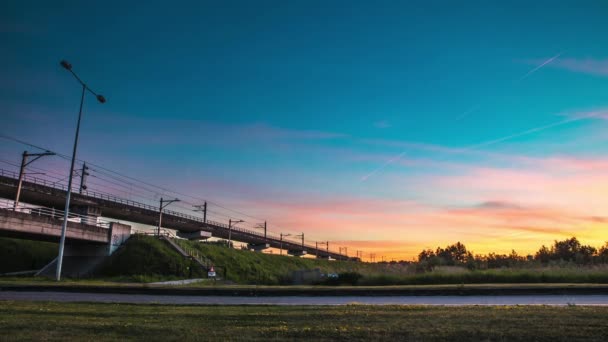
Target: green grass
(103,322)
(24,255)
(248,267)
(568,274)
(147,259)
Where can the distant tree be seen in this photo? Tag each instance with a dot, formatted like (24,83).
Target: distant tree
(569,250)
(566,250)
(426,254)
(603,253)
(454,254)
(543,255)
(585,255)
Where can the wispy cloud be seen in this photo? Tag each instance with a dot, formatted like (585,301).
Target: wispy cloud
(598,113)
(382,124)
(570,118)
(598,67)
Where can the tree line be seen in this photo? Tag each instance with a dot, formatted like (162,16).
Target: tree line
(566,251)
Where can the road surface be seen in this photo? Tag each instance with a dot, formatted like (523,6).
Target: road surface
(307,300)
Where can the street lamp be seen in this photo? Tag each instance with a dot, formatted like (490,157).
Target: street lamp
(64,226)
(230,224)
(163,205)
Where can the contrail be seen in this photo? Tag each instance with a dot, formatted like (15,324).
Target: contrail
(469,111)
(540,66)
(495,141)
(492,142)
(390,161)
(535,69)
(531,130)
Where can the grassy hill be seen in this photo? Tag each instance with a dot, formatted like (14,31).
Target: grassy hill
(146,258)
(257,268)
(24,255)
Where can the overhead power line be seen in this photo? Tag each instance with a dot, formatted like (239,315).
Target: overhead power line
(66,157)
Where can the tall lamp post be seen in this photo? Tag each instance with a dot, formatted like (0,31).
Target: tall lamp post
(231,223)
(163,203)
(66,212)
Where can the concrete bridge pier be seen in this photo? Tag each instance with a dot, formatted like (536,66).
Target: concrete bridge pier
(258,247)
(196,235)
(81,258)
(296,252)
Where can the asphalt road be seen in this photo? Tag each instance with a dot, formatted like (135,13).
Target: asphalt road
(307,300)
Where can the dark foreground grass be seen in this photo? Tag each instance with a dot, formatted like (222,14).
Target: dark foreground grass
(24,255)
(82,321)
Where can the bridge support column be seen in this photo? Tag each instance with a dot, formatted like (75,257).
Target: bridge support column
(258,247)
(296,252)
(81,259)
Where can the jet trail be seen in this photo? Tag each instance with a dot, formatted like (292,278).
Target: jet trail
(492,142)
(390,161)
(465,114)
(531,130)
(495,141)
(535,69)
(540,66)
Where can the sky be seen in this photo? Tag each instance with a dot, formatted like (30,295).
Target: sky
(383,126)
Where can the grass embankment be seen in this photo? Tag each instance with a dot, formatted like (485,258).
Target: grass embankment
(145,258)
(99,322)
(248,267)
(24,255)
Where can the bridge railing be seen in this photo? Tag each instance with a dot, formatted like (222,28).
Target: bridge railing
(112,198)
(53,213)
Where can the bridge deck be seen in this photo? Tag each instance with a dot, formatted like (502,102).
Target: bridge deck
(41,192)
(45,228)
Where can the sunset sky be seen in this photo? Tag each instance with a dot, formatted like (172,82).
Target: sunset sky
(383,126)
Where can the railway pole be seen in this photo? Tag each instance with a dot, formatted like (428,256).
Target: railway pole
(163,205)
(24,164)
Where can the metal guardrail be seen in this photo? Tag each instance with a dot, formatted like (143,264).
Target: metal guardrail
(111,198)
(53,213)
(193,253)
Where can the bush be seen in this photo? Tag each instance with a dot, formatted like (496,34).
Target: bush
(345,278)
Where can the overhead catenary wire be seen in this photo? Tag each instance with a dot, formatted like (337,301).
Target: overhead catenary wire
(66,157)
(223,211)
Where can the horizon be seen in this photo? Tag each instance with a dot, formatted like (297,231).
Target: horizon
(388,128)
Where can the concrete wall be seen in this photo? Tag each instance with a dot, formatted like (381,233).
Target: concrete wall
(48,228)
(118,234)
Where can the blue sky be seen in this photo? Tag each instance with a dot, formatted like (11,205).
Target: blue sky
(300,101)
